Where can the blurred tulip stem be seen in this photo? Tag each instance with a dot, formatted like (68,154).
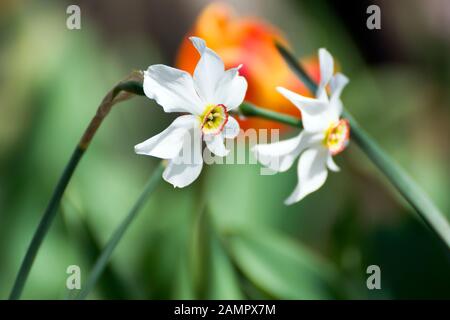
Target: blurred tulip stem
(107,251)
(411,192)
(122,91)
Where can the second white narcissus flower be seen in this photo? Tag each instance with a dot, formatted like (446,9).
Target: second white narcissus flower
(206,99)
(325,134)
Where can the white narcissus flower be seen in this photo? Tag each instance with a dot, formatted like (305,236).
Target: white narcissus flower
(206,99)
(324,134)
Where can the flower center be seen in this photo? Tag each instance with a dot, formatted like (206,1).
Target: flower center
(337,136)
(214,118)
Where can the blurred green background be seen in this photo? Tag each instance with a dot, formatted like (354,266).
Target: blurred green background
(228,235)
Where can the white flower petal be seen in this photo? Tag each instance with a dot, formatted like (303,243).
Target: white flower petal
(312,173)
(231,89)
(315,115)
(332,165)
(231,129)
(337,84)
(208,72)
(167,144)
(215,144)
(181,175)
(172,88)
(326,72)
(279,156)
(186,167)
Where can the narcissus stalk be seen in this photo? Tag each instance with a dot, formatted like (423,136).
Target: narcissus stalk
(122,91)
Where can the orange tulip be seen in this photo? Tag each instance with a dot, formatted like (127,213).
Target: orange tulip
(248,41)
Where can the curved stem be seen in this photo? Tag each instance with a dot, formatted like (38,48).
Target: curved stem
(106,253)
(122,91)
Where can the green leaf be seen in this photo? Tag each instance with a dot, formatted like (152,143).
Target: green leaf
(214,275)
(82,235)
(223,282)
(106,253)
(279,266)
(183,287)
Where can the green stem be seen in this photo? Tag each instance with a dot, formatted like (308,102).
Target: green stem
(120,92)
(106,253)
(296,67)
(44,224)
(413,194)
(249,110)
